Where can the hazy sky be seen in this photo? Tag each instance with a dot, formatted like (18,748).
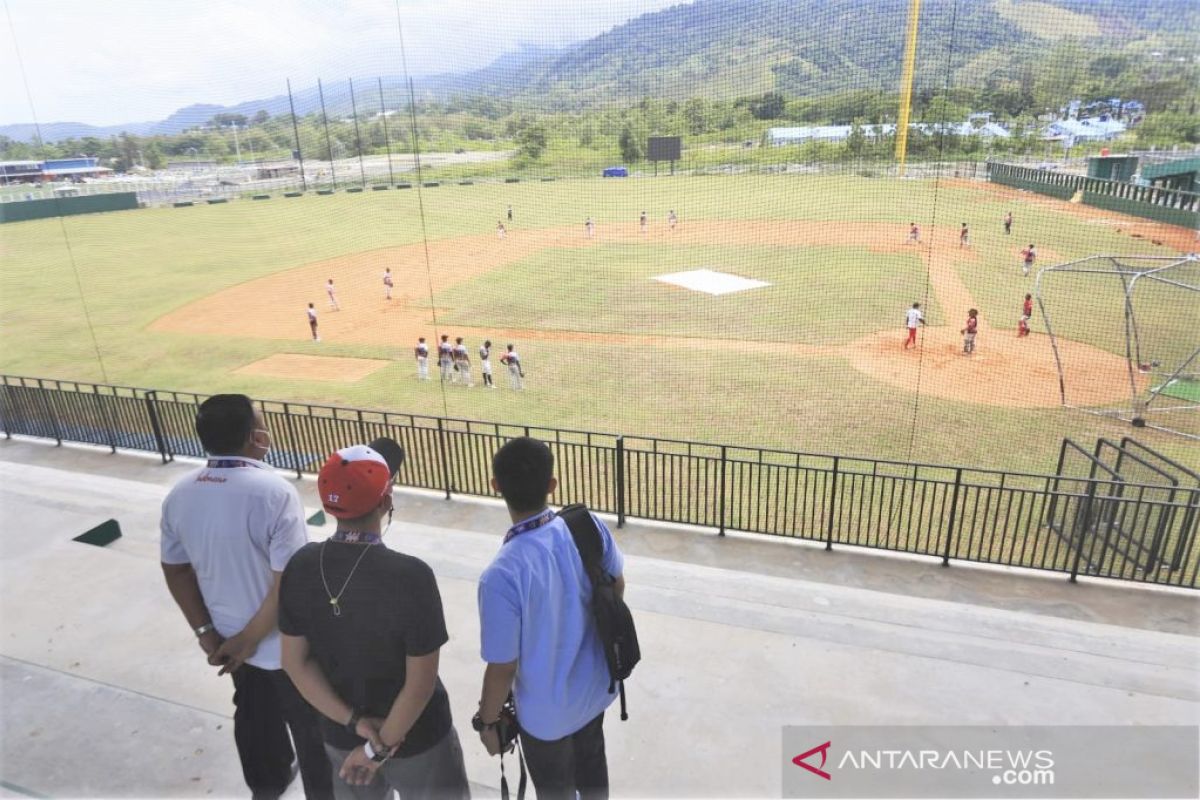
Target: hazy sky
(106,62)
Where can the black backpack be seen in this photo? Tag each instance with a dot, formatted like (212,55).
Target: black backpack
(614,622)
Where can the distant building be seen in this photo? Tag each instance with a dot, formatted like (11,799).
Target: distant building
(1089,129)
(192,165)
(280,169)
(20,171)
(53,169)
(777,137)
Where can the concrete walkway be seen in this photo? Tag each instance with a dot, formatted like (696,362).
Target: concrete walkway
(105,693)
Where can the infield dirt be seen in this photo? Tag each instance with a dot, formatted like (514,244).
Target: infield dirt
(1004,371)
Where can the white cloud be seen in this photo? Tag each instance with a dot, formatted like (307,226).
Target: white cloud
(131,60)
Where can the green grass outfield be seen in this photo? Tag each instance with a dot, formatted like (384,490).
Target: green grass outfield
(121,271)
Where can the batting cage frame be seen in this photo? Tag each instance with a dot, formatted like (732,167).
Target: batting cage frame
(1154,399)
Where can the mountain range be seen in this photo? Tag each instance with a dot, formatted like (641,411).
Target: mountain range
(723,49)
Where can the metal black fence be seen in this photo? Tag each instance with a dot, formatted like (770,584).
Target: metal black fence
(1089,519)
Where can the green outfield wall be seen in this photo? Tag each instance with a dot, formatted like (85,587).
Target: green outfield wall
(1171,206)
(24,210)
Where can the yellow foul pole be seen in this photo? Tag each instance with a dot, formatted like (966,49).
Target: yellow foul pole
(906,84)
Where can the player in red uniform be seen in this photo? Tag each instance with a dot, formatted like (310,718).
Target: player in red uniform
(1026,315)
(968,333)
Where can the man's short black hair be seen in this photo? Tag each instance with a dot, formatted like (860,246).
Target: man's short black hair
(224,422)
(522,469)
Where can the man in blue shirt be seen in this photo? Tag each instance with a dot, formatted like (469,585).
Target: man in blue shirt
(538,634)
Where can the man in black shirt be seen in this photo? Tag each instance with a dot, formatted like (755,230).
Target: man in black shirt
(362,626)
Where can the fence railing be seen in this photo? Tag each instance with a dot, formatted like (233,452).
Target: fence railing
(1096,523)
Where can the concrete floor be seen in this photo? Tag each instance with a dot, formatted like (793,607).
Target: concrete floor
(105,694)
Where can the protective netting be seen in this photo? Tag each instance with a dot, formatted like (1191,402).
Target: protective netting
(443,165)
(1143,310)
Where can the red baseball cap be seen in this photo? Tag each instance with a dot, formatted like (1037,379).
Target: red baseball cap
(354,479)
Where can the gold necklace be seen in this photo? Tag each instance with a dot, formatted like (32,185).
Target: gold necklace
(335,599)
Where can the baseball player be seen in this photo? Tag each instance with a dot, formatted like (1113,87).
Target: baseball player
(964,236)
(463,362)
(1028,256)
(421,351)
(914,234)
(1026,315)
(968,333)
(1008,224)
(485,363)
(446,360)
(510,215)
(312,322)
(516,375)
(672,220)
(590,227)
(500,231)
(333,303)
(642,221)
(387,283)
(912,318)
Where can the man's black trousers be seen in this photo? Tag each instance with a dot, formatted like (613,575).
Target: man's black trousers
(266,705)
(574,762)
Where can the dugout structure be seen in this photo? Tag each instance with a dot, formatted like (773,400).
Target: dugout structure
(1144,308)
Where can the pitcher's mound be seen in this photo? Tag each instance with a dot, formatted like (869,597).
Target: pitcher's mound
(313,368)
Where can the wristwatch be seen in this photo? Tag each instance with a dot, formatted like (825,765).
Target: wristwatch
(207,627)
(479,725)
(352,725)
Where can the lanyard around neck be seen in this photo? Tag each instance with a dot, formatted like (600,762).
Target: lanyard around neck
(528,525)
(231,463)
(356,537)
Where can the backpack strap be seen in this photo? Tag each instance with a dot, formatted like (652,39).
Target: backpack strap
(590,543)
(587,540)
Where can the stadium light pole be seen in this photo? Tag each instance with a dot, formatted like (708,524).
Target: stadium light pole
(906,85)
(328,143)
(362,173)
(296,133)
(386,142)
(237,146)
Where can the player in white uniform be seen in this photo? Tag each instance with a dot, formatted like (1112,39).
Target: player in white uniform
(421,351)
(387,283)
(590,227)
(446,360)
(500,231)
(912,318)
(516,375)
(333,303)
(642,221)
(485,363)
(312,322)
(672,220)
(463,360)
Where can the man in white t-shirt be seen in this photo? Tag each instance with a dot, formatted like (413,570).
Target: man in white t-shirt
(912,318)
(228,530)
(329,290)
(387,283)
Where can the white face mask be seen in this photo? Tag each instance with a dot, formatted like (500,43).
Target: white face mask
(266,449)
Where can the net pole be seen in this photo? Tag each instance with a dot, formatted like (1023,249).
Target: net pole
(906,86)
(296,133)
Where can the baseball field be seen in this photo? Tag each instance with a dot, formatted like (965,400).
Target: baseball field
(213,298)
